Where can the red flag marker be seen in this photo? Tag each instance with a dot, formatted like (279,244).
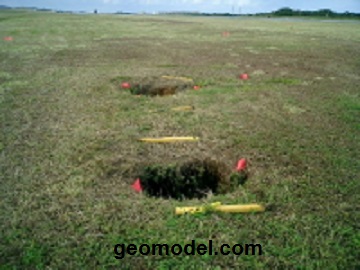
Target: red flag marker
(241,165)
(226,34)
(244,76)
(125,85)
(8,38)
(137,185)
(196,87)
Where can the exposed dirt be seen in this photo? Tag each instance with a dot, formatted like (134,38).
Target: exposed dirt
(191,179)
(160,86)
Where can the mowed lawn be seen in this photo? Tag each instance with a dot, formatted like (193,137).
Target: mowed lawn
(69,148)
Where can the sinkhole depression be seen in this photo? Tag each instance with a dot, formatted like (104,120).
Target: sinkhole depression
(189,180)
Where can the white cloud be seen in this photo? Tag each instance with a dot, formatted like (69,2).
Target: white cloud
(233,2)
(110,1)
(195,2)
(152,2)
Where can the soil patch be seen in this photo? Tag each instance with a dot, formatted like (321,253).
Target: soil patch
(191,179)
(161,86)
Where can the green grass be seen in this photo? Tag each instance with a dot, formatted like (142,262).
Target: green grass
(69,149)
(350,109)
(286,81)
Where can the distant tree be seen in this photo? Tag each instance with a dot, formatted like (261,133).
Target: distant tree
(95,11)
(4,7)
(285,11)
(325,12)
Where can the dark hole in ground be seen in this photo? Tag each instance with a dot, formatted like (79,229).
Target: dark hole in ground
(192,179)
(161,86)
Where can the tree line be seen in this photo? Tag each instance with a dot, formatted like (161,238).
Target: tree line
(286,11)
(282,12)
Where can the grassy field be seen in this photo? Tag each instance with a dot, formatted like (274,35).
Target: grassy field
(69,149)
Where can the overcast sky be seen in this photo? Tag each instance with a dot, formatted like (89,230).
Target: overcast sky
(245,6)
